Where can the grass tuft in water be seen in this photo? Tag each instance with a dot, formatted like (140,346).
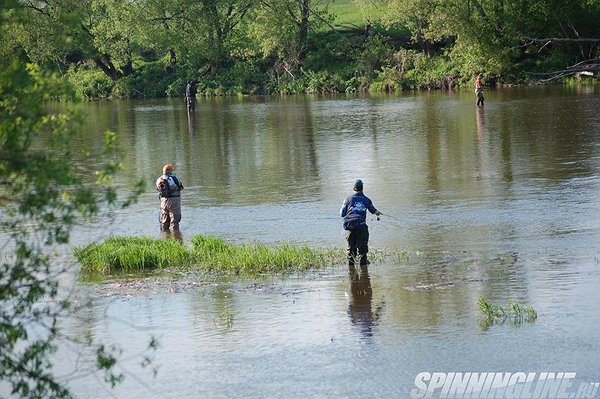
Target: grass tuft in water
(212,254)
(513,311)
(217,255)
(132,255)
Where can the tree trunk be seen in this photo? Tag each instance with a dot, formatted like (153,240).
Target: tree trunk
(303,31)
(172,58)
(107,67)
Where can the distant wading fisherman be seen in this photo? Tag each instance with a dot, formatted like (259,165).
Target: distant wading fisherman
(354,211)
(479,90)
(169,189)
(190,95)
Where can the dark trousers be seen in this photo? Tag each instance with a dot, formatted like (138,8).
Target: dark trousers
(358,245)
(480,98)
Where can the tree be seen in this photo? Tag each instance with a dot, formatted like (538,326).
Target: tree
(41,197)
(281,29)
(66,32)
(492,35)
(161,29)
(419,17)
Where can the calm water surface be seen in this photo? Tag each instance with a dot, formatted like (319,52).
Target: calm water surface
(500,202)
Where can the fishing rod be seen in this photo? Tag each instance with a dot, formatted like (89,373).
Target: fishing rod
(391,216)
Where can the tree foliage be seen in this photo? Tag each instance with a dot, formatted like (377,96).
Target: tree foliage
(42,197)
(492,35)
(163,43)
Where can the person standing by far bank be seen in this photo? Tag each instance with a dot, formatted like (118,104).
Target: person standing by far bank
(169,188)
(479,90)
(354,211)
(190,95)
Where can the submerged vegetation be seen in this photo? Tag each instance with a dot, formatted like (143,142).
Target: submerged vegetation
(210,254)
(513,311)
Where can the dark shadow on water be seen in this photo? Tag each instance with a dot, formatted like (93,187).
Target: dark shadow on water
(360,308)
(191,117)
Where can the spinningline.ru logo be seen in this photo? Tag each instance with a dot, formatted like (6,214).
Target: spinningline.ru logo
(519,385)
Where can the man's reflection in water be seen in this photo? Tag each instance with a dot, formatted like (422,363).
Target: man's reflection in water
(174,234)
(480,123)
(360,308)
(191,123)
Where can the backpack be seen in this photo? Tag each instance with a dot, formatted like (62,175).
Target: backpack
(165,189)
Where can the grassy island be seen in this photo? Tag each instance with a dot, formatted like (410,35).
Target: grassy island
(207,253)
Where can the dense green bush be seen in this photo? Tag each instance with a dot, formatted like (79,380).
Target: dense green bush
(242,77)
(148,80)
(90,83)
(388,80)
(375,54)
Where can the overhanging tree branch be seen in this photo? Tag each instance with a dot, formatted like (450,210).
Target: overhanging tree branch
(562,40)
(584,67)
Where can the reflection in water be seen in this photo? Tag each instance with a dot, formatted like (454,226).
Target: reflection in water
(480,145)
(480,122)
(191,123)
(360,308)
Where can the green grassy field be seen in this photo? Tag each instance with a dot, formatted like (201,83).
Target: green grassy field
(350,13)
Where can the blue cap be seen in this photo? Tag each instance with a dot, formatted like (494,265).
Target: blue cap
(358,185)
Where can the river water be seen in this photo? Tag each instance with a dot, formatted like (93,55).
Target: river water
(498,202)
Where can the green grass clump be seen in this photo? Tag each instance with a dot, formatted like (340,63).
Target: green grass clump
(132,254)
(215,254)
(212,254)
(515,312)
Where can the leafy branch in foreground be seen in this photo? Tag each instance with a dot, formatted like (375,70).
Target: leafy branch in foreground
(41,197)
(515,312)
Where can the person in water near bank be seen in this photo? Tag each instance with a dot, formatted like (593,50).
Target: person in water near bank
(479,90)
(354,211)
(190,95)
(169,191)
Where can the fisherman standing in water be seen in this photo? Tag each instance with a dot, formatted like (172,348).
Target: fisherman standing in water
(479,90)
(354,211)
(169,188)
(190,95)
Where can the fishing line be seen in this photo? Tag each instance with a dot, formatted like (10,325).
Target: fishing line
(392,216)
(389,223)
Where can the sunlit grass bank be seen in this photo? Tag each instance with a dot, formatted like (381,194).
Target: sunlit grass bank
(211,254)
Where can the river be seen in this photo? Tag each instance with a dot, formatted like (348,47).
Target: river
(499,202)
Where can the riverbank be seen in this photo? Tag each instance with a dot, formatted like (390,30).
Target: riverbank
(150,81)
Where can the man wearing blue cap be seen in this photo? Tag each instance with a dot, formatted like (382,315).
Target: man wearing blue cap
(354,211)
